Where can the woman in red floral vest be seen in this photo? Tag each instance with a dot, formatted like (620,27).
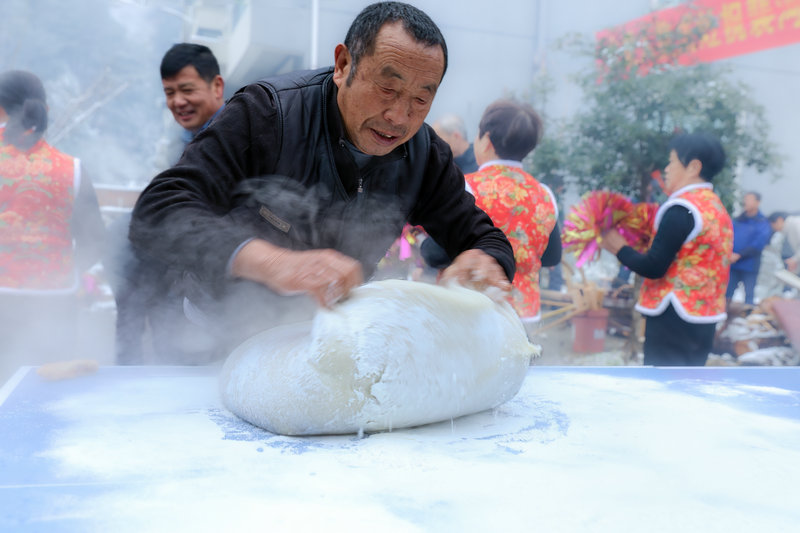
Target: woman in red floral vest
(516,202)
(51,229)
(687,266)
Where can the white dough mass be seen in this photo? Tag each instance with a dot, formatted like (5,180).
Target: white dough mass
(394,354)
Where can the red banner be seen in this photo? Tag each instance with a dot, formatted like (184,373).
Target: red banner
(743,26)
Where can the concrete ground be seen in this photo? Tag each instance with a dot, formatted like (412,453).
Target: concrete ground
(558,350)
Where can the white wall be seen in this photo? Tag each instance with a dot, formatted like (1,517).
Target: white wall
(774,76)
(490,51)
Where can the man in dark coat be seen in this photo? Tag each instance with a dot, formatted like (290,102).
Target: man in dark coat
(302,183)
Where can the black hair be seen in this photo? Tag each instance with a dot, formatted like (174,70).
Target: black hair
(756,195)
(513,127)
(184,54)
(23,98)
(360,39)
(776,215)
(701,146)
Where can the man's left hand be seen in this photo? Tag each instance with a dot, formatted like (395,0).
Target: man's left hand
(477,270)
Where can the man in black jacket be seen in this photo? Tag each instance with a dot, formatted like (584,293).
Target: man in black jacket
(193,88)
(302,183)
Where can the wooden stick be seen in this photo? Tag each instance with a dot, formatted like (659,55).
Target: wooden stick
(67,369)
(559,321)
(565,309)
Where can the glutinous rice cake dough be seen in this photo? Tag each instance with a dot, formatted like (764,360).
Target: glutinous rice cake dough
(395,354)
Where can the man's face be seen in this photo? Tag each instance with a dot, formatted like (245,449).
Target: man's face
(387,100)
(191,99)
(750,203)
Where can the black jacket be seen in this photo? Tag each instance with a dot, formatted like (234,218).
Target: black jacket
(274,164)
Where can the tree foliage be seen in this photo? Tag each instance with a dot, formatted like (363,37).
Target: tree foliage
(548,162)
(642,90)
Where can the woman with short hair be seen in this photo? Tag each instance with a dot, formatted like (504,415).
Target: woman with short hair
(687,266)
(51,229)
(517,203)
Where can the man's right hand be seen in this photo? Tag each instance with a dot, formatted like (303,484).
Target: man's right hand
(478,270)
(327,275)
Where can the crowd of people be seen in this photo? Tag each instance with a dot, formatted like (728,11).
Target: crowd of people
(288,195)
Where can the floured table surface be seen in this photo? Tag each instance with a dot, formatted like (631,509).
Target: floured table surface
(578,449)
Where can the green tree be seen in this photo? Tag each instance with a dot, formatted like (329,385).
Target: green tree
(548,162)
(641,92)
(641,89)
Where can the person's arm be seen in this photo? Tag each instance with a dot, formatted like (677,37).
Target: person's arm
(791,230)
(552,254)
(448,213)
(181,219)
(749,251)
(87,225)
(675,226)
(326,275)
(433,254)
(186,217)
(436,257)
(760,239)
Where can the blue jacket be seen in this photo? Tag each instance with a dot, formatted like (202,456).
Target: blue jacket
(750,236)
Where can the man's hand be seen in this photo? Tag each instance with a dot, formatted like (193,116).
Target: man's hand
(478,270)
(791,265)
(327,275)
(613,241)
(735,257)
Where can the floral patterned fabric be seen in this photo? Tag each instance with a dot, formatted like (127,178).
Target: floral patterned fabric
(525,210)
(696,280)
(37,189)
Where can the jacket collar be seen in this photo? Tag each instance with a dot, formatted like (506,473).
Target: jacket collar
(501,163)
(687,188)
(744,216)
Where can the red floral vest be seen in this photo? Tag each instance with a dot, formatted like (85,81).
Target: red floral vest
(37,189)
(696,280)
(526,212)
